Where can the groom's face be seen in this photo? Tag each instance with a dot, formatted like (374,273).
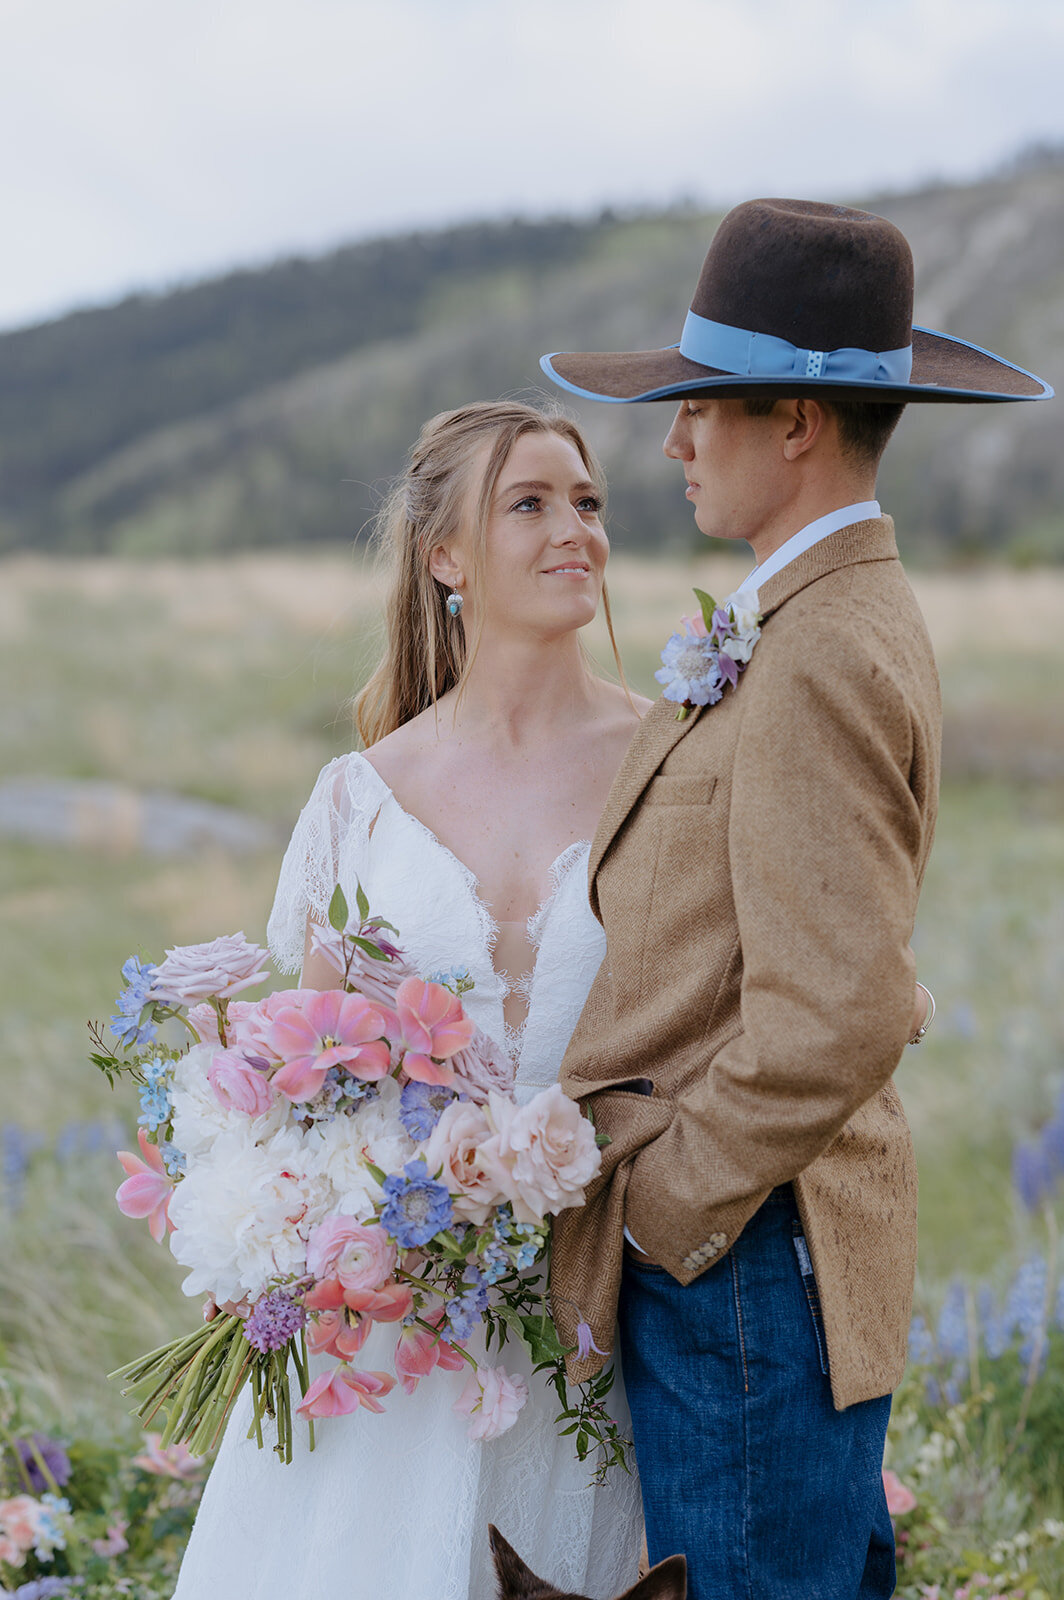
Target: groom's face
(732,463)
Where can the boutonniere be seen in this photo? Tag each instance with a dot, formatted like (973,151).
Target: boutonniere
(714,647)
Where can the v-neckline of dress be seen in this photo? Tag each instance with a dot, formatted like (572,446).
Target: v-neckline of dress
(489,925)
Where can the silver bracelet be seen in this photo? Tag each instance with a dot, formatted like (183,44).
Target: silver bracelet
(929,1019)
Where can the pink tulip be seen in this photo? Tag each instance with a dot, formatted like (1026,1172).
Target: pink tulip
(899,1498)
(175,1461)
(419,1351)
(391,1303)
(238,1086)
(337,1333)
(337,1393)
(147,1190)
(331,1029)
(432,1027)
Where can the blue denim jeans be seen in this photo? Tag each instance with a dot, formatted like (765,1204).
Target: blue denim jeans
(746,1466)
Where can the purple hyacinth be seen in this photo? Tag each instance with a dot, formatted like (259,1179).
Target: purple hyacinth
(417,1207)
(37,1448)
(276,1318)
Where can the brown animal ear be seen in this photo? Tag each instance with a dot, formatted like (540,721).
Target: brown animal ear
(666,1581)
(516,1580)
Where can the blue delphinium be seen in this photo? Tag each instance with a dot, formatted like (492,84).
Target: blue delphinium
(421,1105)
(126,1025)
(464,1312)
(417,1207)
(155,1105)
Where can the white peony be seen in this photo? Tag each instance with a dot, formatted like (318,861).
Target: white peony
(243,1212)
(198,1116)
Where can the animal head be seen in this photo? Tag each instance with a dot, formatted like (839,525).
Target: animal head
(666,1581)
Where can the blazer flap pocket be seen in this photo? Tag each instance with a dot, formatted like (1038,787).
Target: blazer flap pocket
(679,789)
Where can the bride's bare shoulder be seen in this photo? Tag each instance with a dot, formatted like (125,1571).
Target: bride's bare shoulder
(400,754)
(623,706)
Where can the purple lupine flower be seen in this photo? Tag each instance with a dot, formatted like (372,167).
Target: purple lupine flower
(275,1319)
(421,1105)
(994,1327)
(39,1447)
(952,1331)
(921,1343)
(1030,1175)
(417,1207)
(1025,1304)
(17,1148)
(43,1588)
(1052,1144)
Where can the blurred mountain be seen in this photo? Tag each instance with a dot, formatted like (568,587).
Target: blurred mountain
(270,407)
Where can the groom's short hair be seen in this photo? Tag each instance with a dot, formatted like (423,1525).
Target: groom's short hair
(865,426)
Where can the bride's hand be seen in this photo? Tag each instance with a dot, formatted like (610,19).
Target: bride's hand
(229,1308)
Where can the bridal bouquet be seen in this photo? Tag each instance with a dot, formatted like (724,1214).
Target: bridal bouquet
(326,1161)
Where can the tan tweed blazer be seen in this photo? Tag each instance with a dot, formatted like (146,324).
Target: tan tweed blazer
(756,870)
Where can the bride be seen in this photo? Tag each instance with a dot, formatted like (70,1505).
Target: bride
(490,748)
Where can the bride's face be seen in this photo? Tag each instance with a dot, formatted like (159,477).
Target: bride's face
(545,547)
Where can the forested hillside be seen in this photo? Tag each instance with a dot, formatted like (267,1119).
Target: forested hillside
(270,406)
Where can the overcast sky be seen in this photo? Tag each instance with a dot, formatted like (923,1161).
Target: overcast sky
(143,143)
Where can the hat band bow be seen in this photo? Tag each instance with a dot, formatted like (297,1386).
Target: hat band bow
(762,355)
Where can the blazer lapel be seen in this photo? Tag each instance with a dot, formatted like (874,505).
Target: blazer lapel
(658,733)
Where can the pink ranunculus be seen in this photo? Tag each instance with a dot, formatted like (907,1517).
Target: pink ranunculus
(491,1400)
(337,1393)
(418,1351)
(332,1029)
(361,1255)
(482,1066)
(250,1021)
(10,1552)
(116,1543)
(20,1519)
(899,1498)
(548,1149)
(222,968)
(204,1019)
(175,1461)
(432,1027)
(237,1085)
(147,1190)
(458,1149)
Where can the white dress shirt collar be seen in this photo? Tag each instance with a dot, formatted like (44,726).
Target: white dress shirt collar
(808,536)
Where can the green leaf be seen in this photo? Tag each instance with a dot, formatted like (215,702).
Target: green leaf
(374,951)
(362,901)
(541,1339)
(709,605)
(338,912)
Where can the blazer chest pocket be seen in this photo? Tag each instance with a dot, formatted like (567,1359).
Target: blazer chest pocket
(679,789)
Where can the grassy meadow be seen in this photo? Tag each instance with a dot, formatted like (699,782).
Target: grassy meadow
(229,680)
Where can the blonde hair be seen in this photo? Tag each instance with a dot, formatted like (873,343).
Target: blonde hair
(426,652)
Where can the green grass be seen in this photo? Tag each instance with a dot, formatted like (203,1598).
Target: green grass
(231,680)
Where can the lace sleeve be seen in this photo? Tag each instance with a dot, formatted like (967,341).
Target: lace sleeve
(311,867)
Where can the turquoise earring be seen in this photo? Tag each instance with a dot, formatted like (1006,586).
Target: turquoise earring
(455,603)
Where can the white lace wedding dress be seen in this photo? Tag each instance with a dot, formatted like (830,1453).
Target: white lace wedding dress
(396,1507)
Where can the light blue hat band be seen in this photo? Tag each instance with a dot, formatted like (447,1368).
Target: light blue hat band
(762,355)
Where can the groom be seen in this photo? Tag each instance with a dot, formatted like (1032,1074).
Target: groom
(757,870)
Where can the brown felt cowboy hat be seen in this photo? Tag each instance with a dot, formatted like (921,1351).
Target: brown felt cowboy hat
(797,296)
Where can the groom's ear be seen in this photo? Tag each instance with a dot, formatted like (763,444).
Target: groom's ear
(516,1580)
(666,1581)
